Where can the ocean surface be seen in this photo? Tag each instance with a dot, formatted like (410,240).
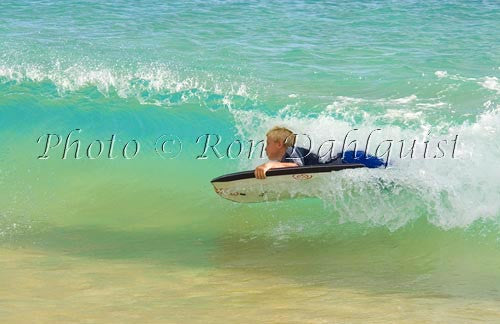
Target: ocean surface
(107,213)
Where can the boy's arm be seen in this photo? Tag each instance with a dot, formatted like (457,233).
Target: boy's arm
(260,171)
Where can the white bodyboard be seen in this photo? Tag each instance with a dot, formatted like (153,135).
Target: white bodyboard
(243,187)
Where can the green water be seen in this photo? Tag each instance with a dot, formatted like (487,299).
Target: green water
(146,239)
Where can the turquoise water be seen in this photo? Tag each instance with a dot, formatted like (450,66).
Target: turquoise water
(146,238)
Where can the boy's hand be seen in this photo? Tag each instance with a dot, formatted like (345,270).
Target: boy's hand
(260,171)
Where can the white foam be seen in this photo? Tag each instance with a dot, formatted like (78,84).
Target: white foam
(405,100)
(491,83)
(405,109)
(143,81)
(441,74)
(405,115)
(449,192)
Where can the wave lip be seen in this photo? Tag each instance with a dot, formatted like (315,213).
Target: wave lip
(153,83)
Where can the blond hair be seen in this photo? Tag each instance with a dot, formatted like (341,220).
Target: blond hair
(282,134)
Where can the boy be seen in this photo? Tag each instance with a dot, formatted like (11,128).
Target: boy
(282,153)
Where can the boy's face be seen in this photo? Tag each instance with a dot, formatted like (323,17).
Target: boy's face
(274,149)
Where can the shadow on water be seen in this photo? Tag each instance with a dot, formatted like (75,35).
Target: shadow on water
(180,248)
(421,261)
